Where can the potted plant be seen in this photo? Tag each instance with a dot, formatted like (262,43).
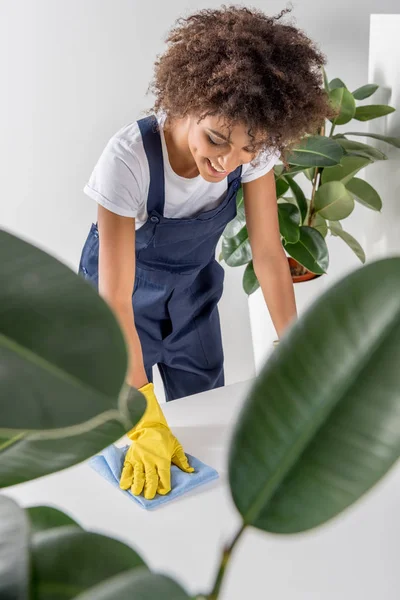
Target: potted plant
(330,162)
(281,458)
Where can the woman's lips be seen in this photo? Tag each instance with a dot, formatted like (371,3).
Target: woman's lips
(213,171)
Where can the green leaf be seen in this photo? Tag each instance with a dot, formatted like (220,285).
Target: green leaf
(47,517)
(138,584)
(337,83)
(316,151)
(320,225)
(67,561)
(393,141)
(14,551)
(364,193)
(62,352)
(349,166)
(282,186)
(342,101)
(300,197)
(356,149)
(333,201)
(289,222)
(326,84)
(319,429)
(29,456)
(237,224)
(310,251)
(337,229)
(365,91)
(250,281)
(310,173)
(372,111)
(236,251)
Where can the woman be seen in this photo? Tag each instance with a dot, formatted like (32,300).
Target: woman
(234,90)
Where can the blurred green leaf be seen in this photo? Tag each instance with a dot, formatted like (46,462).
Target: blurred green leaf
(310,251)
(342,101)
(138,584)
(289,222)
(365,91)
(333,201)
(319,429)
(393,141)
(67,561)
(326,84)
(33,455)
(364,150)
(14,551)
(250,281)
(237,224)
(60,334)
(337,229)
(349,166)
(310,173)
(316,151)
(300,197)
(364,193)
(372,111)
(236,251)
(47,517)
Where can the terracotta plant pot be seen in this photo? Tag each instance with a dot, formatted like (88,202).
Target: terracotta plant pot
(295,268)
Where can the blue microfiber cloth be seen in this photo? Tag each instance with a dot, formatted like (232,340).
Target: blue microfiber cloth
(109,465)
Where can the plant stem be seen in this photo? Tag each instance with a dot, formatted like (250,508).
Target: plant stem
(226,554)
(314,189)
(332,129)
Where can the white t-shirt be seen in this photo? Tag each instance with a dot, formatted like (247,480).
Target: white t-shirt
(120,180)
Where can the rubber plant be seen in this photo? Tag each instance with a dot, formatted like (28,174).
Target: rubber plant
(331,163)
(302,450)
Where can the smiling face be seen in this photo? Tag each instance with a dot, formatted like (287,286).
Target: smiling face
(217,149)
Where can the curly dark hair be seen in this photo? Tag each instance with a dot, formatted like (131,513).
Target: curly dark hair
(245,66)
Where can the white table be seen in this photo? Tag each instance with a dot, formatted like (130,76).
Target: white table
(355,557)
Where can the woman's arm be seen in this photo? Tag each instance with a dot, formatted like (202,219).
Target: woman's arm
(117,247)
(269,259)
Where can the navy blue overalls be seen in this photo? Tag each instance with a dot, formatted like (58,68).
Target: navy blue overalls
(178,282)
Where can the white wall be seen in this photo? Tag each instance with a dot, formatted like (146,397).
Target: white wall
(75,71)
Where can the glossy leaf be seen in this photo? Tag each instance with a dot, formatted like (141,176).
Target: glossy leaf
(310,251)
(28,456)
(364,193)
(14,551)
(319,223)
(250,281)
(289,222)
(319,429)
(138,584)
(336,83)
(47,517)
(349,166)
(316,151)
(342,101)
(282,187)
(358,149)
(393,141)
(237,224)
(372,111)
(365,91)
(236,251)
(337,229)
(67,561)
(62,351)
(333,201)
(300,197)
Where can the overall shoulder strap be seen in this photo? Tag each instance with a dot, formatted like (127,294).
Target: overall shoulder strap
(152,146)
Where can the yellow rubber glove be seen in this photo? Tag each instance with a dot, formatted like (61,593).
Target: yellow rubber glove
(147,465)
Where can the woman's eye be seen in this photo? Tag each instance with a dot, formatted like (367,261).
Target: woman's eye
(212,141)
